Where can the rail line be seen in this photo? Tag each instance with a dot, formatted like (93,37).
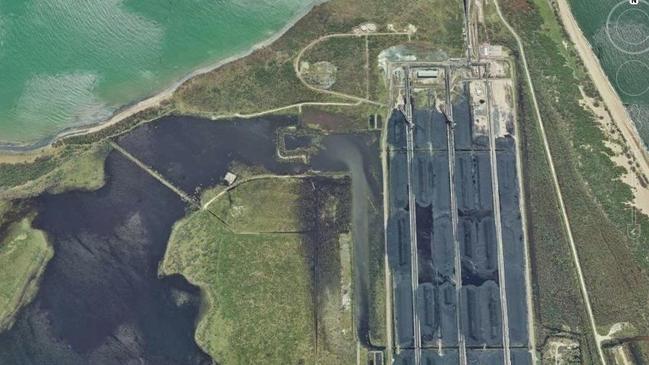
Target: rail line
(412,211)
(499,234)
(450,134)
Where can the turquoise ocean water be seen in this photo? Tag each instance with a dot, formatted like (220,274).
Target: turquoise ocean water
(619,33)
(66,63)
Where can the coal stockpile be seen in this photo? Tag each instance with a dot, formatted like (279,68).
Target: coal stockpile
(398,236)
(430,131)
(480,301)
(479,250)
(436,298)
(473,183)
(436,305)
(476,230)
(513,247)
(428,357)
(398,233)
(397,130)
(521,356)
(447,357)
(481,315)
(463,126)
(465,138)
(485,357)
(476,239)
(442,235)
(398,179)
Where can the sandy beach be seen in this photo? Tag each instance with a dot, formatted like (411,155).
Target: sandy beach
(611,99)
(22,154)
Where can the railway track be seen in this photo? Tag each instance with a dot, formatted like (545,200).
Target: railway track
(450,131)
(412,211)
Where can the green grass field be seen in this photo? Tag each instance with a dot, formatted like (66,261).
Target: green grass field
(24,253)
(261,213)
(270,298)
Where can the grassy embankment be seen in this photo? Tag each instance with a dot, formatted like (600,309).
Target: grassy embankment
(275,275)
(376,267)
(597,201)
(24,253)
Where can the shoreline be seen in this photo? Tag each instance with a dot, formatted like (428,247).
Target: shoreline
(17,153)
(610,97)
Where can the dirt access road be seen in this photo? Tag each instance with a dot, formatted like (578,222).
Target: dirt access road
(557,187)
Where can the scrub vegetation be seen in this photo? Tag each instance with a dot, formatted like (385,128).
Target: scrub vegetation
(266,79)
(67,168)
(272,295)
(341,119)
(24,253)
(347,54)
(597,201)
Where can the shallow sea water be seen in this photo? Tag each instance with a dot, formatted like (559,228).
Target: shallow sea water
(619,35)
(65,63)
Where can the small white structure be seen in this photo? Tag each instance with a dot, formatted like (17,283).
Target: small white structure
(487,50)
(365,28)
(230,178)
(431,73)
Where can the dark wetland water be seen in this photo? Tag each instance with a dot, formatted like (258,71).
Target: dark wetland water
(101,300)
(360,156)
(196,153)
